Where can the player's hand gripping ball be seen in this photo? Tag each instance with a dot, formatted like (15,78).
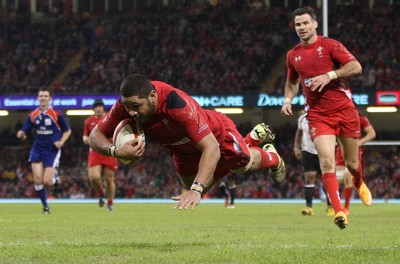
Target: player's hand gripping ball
(127,130)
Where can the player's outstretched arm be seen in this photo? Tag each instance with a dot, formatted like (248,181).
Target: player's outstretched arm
(208,162)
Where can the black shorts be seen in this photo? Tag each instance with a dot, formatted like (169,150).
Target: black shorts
(310,162)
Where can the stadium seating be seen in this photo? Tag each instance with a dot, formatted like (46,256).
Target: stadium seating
(198,50)
(154,176)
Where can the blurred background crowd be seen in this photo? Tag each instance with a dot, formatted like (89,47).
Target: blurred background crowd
(154,176)
(201,47)
(232,47)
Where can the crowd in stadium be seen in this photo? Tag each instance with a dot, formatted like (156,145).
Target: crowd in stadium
(190,52)
(154,176)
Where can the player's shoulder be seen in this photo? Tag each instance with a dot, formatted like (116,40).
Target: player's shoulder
(54,110)
(89,118)
(331,43)
(161,85)
(118,106)
(294,49)
(327,39)
(116,113)
(34,112)
(174,98)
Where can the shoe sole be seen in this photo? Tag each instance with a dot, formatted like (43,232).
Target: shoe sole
(341,222)
(279,179)
(270,136)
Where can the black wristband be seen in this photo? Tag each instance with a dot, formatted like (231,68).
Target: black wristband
(111,151)
(200,184)
(197,187)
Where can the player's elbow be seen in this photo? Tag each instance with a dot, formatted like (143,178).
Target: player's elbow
(358,69)
(217,153)
(214,151)
(373,135)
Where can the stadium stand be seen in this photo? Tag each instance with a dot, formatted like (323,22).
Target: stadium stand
(232,48)
(196,48)
(154,176)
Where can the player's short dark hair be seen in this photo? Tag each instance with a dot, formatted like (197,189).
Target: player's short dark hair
(46,89)
(305,10)
(98,102)
(136,85)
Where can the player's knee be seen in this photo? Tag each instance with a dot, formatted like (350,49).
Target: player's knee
(94,177)
(109,177)
(309,177)
(327,165)
(48,182)
(248,163)
(352,166)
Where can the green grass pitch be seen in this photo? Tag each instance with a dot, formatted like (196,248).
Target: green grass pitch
(156,233)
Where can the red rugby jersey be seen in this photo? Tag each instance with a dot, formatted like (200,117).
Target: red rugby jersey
(322,56)
(90,123)
(178,124)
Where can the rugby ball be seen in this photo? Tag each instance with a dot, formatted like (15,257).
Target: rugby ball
(127,130)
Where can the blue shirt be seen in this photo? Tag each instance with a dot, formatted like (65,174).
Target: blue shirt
(49,127)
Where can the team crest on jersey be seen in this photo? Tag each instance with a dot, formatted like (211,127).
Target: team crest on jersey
(47,122)
(319,50)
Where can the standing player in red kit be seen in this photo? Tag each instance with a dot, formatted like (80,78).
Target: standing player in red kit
(321,64)
(342,173)
(204,144)
(99,163)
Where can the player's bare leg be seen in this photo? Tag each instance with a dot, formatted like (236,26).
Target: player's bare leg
(95,181)
(266,158)
(110,189)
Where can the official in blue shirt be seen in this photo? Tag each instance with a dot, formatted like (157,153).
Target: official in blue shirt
(51,132)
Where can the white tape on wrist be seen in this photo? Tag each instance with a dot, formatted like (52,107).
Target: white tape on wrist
(332,75)
(287,100)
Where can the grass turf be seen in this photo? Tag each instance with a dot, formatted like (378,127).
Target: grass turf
(155,233)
